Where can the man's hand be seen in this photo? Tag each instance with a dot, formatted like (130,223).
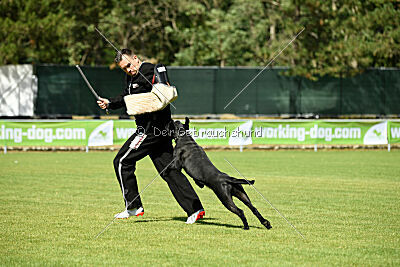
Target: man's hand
(103,103)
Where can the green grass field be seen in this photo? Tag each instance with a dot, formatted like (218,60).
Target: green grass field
(346,203)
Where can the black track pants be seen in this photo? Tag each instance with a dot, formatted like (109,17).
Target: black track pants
(160,151)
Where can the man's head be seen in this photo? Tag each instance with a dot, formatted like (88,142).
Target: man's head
(128,61)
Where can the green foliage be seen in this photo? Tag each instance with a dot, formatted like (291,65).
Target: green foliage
(31,33)
(50,31)
(341,37)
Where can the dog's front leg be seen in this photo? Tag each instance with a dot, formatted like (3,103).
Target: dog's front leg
(177,164)
(177,161)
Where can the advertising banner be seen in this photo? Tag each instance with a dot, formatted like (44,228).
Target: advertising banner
(320,132)
(394,132)
(284,132)
(279,132)
(219,133)
(56,133)
(205,132)
(123,129)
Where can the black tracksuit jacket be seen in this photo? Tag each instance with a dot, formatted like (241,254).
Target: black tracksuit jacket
(138,84)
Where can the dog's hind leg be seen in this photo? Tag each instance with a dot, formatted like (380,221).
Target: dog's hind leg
(226,198)
(239,193)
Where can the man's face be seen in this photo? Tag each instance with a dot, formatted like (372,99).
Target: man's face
(129,64)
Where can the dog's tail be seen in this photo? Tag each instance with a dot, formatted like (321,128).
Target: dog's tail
(233,180)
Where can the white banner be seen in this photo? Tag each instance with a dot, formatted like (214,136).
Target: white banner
(242,135)
(102,135)
(18,89)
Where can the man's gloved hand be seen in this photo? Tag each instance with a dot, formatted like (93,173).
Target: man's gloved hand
(103,103)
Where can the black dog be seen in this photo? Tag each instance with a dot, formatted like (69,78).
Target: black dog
(192,158)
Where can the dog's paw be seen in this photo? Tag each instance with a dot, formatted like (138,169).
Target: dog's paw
(267,224)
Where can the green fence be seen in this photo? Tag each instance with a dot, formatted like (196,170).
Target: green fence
(63,92)
(208,90)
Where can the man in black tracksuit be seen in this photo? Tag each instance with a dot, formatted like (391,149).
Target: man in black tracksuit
(157,146)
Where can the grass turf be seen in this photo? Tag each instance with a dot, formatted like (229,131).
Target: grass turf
(346,203)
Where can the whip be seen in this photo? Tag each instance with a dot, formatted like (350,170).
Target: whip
(89,85)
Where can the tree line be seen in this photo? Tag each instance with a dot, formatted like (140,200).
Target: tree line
(341,37)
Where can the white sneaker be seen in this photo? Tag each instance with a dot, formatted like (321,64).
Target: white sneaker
(128,213)
(195,216)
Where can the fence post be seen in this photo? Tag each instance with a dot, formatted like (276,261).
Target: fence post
(388,127)
(340,93)
(316,139)
(215,70)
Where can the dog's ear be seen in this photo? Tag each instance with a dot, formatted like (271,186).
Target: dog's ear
(186,125)
(170,126)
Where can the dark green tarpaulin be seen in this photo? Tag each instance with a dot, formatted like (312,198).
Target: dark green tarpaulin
(209,90)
